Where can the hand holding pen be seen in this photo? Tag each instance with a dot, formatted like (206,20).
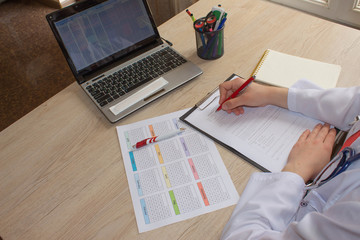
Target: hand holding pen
(254,95)
(147,141)
(234,93)
(236,103)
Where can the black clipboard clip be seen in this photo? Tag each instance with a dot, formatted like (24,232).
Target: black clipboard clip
(200,104)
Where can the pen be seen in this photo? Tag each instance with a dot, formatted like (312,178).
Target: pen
(190,14)
(147,141)
(222,23)
(219,13)
(241,88)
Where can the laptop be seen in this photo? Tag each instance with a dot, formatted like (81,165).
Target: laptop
(116,54)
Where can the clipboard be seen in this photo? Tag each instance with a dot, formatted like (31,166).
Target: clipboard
(294,123)
(200,105)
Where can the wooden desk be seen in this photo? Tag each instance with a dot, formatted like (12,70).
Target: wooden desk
(61,170)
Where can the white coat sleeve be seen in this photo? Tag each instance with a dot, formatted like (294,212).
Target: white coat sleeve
(266,207)
(269,203)
(337,106)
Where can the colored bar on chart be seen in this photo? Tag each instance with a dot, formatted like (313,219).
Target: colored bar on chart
(144,211)
(152,131)
(158,153)
(186,150)
(127,139)
(174,203)
(166,177)
(193,169)
(133,163)
(203,194)
(138,185)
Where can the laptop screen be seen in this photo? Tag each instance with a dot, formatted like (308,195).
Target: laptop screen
(104,32)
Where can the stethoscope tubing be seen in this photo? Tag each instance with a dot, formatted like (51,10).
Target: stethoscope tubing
(345,158)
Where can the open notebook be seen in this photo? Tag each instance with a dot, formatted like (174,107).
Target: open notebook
(280,69)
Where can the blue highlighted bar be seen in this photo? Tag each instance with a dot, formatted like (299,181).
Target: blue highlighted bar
(144,211)
(138,185)
(133,163)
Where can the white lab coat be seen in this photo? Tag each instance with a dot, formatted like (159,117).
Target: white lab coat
(272,204)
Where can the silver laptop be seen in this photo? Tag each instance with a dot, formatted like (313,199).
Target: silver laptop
(116,54)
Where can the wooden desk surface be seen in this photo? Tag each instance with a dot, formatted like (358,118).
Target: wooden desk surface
(61,170)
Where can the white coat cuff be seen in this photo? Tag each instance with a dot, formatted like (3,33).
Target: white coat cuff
(292,99)
(283,176)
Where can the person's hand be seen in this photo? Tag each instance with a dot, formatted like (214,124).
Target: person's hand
(311,152)
(255,95)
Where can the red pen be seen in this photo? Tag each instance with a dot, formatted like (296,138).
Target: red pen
(147,141)
(241,88)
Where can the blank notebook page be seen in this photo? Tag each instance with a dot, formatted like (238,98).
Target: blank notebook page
(284,70)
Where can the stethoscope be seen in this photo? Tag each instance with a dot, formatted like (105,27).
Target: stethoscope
(345,158)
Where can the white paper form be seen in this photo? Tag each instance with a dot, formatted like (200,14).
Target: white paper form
(265,134)
(174,179)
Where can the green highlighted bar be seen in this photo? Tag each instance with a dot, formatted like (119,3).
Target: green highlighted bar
(174,203)
(127,139)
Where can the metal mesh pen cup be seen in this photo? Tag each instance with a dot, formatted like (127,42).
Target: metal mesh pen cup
(209,44)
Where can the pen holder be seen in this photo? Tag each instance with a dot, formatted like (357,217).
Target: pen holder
(209,44)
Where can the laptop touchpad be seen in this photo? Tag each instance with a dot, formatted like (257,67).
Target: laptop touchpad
(139,96)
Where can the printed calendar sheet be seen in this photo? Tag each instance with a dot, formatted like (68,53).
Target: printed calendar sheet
(173,179)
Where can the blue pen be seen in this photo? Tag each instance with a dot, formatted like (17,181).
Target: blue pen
(222,23)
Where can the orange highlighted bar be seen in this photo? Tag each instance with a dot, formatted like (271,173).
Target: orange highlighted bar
(158,153)
(152,131)
(203,194)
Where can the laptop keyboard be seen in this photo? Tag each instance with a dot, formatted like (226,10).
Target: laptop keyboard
(123,81)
